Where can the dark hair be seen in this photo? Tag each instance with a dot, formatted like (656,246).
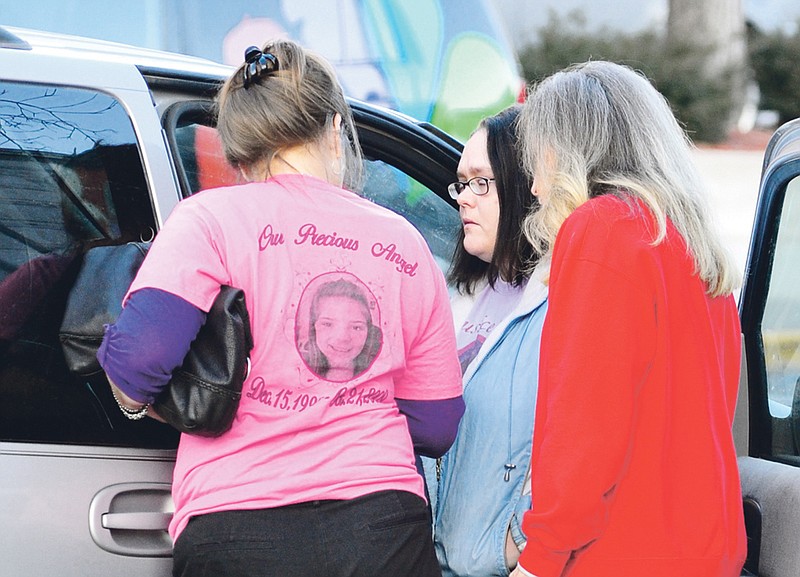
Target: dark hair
(513,255)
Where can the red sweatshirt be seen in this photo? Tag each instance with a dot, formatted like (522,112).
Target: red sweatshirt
(634,467)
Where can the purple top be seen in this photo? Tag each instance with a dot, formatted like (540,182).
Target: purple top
(149,340)
(432,424)
(155,330)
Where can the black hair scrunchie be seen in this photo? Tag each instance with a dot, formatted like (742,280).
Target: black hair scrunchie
(257,63)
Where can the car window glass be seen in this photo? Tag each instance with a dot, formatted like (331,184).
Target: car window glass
(71,177)
(438,222)
(781,321)
(204,166)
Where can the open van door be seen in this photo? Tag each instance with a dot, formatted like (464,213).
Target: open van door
(767,428)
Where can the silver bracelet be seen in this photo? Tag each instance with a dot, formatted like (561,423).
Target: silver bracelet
(132,414)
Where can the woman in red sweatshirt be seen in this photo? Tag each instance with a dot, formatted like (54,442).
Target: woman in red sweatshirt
(633,468)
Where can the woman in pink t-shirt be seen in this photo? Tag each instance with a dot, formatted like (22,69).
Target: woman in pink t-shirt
(354,365)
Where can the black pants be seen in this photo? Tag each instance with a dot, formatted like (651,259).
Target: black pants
(384,534)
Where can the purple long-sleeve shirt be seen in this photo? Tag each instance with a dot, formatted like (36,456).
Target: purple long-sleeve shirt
(155,330)
(149,340)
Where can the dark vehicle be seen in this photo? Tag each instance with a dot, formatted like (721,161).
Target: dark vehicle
(99,142)
(767,428)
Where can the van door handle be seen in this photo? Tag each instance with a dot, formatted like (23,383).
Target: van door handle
(132,519)
(136,521)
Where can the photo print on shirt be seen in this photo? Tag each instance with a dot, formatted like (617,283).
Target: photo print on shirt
(337,327)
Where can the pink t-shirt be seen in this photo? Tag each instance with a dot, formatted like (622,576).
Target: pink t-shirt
(348,310)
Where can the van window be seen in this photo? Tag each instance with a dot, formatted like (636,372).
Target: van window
(780,328)
(71,177)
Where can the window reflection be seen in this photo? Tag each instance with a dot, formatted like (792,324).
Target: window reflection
(781,322)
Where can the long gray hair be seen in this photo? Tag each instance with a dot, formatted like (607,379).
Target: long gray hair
(598,128)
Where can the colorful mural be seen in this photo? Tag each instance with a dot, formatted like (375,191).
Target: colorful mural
(443,61)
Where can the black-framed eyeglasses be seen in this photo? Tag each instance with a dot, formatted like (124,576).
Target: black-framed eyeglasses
(479,185)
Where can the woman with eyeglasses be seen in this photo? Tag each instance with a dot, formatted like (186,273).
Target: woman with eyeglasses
(478,488)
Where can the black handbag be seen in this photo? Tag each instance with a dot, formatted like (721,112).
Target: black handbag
(203,394)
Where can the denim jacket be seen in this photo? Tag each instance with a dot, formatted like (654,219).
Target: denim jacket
(479,491)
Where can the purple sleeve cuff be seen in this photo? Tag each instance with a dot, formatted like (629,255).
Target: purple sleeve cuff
(149,340)
(432,424)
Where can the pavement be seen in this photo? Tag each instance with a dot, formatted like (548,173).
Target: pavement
(732,172)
